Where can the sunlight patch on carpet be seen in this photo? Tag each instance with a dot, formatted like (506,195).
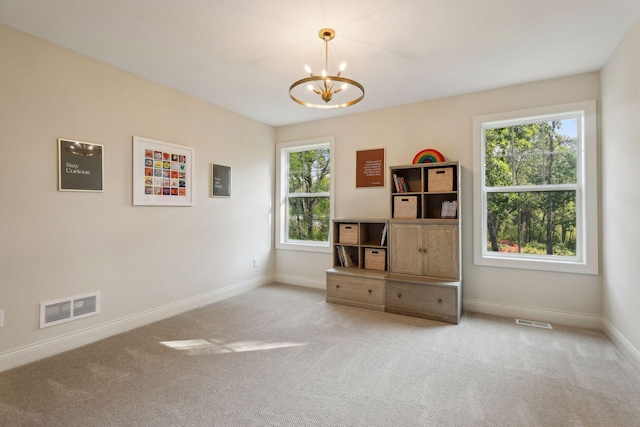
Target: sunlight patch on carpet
(203,346)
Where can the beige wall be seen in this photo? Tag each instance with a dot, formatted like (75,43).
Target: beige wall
(446,125)
(147,262)
(59,244)
(621,197)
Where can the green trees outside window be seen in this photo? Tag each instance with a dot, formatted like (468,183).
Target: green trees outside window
(308,195)
(531,184)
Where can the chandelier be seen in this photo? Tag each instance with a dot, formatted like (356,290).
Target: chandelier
(324,90)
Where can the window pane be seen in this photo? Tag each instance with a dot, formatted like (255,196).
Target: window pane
(528,169)
(529,138)
(541,223)
(532,154)
(309,218)
(498,172)
(564,168)
(497,142)
(309,171)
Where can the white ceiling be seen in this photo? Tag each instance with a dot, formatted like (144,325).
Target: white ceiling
(244,54)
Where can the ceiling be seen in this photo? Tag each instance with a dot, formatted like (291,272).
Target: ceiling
(244,54)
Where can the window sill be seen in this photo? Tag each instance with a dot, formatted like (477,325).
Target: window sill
(560,265)
(305,247)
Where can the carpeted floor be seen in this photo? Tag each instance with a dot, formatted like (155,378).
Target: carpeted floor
(281,356)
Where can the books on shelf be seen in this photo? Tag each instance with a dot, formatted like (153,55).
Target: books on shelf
(400,184)
(449,209)
(384,235)
(346,256)
(403,185)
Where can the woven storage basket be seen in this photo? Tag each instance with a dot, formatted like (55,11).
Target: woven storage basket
(375,259)
(405,207)
(348,234)
(440,179)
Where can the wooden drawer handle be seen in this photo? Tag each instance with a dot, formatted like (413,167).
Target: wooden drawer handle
(440,300)
(369,290)
(337,286)
(399,295)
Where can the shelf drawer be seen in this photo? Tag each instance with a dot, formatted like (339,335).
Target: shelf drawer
(440,179)
(405,207)
(421,297)
(356,288)
(375,259)
(348,234)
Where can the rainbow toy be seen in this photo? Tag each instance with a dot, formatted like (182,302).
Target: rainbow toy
(428,156)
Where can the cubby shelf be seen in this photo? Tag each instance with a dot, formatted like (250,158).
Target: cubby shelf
(360,244)
(429,186)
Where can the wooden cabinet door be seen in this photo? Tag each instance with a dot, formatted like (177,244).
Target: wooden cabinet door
(440,245)
(406,249)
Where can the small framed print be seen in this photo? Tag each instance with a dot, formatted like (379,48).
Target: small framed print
(370,168)
(80,166)
(162,173)
(221,180)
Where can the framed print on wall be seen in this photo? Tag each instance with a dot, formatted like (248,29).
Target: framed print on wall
(80,166)
(221,178)
(370,168)
(162,173)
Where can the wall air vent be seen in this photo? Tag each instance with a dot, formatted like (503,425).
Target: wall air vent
(67,309)
(534,324)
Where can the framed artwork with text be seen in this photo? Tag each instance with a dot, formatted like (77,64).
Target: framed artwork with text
(370,168)
(80,166)
(221,180)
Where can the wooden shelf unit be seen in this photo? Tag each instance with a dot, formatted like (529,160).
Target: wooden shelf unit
(422,274)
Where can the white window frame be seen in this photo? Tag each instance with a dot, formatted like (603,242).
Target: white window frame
(586,259)
(282,172)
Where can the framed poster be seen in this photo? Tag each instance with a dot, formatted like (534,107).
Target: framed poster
(370,168)
(221,179)
(162,173)
(80,166)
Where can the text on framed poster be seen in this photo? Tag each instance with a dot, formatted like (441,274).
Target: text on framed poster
(370,168)
(80,166)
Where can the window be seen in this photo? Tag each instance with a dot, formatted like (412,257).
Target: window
(305,189)
(535,192)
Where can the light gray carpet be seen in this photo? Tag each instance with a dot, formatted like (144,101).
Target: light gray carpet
(281,356)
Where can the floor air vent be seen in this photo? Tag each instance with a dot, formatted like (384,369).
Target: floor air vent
(68,309)
(534,324)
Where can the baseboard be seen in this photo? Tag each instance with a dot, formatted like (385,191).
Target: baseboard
(567,318)
(307,282)
(629,351)
(31,353)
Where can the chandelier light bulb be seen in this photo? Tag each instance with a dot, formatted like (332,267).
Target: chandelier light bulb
(343,66)
(344,86)
(307,69)
(324,73)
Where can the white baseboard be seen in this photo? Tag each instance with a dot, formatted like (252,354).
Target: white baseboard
(629,351)
(31,353)
(306,282)
(567,318)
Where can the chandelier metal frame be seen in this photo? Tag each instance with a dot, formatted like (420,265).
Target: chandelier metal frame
(324,85)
